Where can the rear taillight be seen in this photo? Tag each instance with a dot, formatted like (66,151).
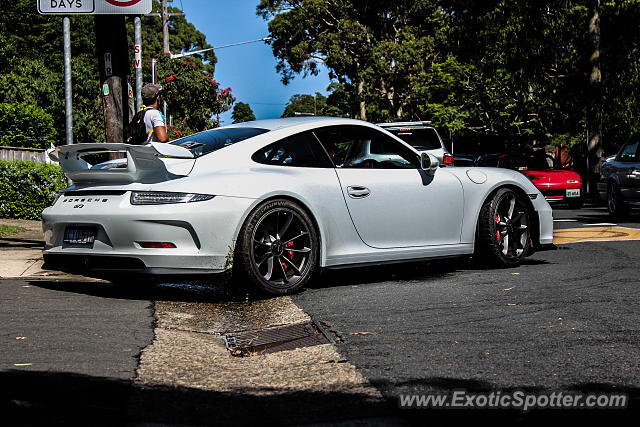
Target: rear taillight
(447,160)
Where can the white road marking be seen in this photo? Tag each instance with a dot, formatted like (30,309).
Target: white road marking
(565,220)
(602,224)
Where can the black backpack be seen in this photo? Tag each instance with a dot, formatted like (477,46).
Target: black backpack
(136,131)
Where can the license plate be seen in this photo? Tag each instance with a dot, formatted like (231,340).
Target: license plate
(573,193)
(79,235)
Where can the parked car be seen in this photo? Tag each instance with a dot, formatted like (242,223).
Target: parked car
(421,136)
(464,159)
(555,183)
(619,182)
(275,200)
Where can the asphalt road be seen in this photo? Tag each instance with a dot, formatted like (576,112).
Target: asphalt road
(566,320)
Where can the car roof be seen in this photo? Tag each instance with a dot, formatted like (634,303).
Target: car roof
(275,124)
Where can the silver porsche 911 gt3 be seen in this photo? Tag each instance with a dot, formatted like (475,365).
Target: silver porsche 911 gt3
(275,200)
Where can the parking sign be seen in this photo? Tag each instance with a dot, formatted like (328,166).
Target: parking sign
(94,7)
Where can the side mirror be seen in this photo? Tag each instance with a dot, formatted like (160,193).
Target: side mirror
(429,163)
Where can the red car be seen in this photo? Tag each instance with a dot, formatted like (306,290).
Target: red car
(555,183)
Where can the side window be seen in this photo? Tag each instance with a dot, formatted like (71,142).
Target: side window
(629,152)
(361,147)
(302,150)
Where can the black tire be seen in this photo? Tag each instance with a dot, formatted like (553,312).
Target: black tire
(576,204)
(615,202)
(503,234)
(278,248)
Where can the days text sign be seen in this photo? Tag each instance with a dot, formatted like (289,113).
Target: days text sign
(94,7)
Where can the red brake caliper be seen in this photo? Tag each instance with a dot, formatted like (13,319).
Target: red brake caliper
(497,231)
(288,245)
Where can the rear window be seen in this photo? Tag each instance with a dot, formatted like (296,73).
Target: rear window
(209,141)
(420,139)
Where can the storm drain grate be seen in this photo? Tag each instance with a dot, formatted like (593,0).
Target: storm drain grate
(277,339)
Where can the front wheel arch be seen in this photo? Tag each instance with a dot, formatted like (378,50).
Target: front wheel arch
(533,215)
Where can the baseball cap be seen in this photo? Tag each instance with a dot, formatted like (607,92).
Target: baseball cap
(150,91)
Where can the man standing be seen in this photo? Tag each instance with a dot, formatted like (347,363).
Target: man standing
(153,119)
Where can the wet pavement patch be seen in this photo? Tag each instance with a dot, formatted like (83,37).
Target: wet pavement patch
(276,339)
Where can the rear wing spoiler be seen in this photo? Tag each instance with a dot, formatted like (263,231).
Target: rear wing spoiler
(143,162)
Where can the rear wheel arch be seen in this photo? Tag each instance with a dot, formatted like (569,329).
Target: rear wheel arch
(297,201)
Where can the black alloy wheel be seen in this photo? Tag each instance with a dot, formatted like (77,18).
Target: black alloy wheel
(615,202)
(503,229)
(279,248)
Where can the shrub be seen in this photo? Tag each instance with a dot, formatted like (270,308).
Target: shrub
(26,126)
(26,188)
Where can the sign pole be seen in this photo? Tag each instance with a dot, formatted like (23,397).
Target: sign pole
(137,26)
(68,103)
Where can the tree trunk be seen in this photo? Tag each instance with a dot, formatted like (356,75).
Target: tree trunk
(362,115)
(594,108)
(113,59)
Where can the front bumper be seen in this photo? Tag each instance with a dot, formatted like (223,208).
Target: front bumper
(203,234)
(545,219)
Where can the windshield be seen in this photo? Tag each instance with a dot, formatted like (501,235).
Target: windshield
(420,139)
(538,161)
(209,141)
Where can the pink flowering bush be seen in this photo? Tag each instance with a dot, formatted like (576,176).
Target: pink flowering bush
(193,98)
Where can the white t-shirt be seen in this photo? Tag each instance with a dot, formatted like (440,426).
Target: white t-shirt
(152,118)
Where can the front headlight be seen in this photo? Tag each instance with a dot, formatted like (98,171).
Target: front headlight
(162,197)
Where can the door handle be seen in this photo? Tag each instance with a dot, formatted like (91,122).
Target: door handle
(634,174)
(358,192)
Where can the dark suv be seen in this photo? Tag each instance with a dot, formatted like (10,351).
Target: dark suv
(619,181)
(421,136)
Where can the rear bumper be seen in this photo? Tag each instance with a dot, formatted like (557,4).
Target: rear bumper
(203,234)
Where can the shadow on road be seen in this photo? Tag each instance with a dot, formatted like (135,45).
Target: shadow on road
(203,290)
(213,289)
(34,398)
(57,398)
(418,270)
(21,243)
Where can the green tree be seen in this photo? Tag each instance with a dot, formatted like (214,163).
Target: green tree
(374,49)
(192,96)
(242,113)
(31,63)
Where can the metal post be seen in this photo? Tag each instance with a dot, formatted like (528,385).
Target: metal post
(165,27)
(66,34)
(137,25)
(153,70)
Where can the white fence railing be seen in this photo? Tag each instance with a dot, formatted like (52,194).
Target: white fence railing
(15,154)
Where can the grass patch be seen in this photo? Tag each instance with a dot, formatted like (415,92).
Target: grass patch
(8,230)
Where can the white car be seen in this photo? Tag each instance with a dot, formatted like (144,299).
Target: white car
(421,136)
(275,200)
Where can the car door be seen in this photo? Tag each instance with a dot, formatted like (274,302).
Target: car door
(628,169)
(392,202)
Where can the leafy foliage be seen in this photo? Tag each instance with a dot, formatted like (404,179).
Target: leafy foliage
(26,188)
(505,73)
(335,105)
(31,64)
(27,126)
(242,113)
(192,96)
